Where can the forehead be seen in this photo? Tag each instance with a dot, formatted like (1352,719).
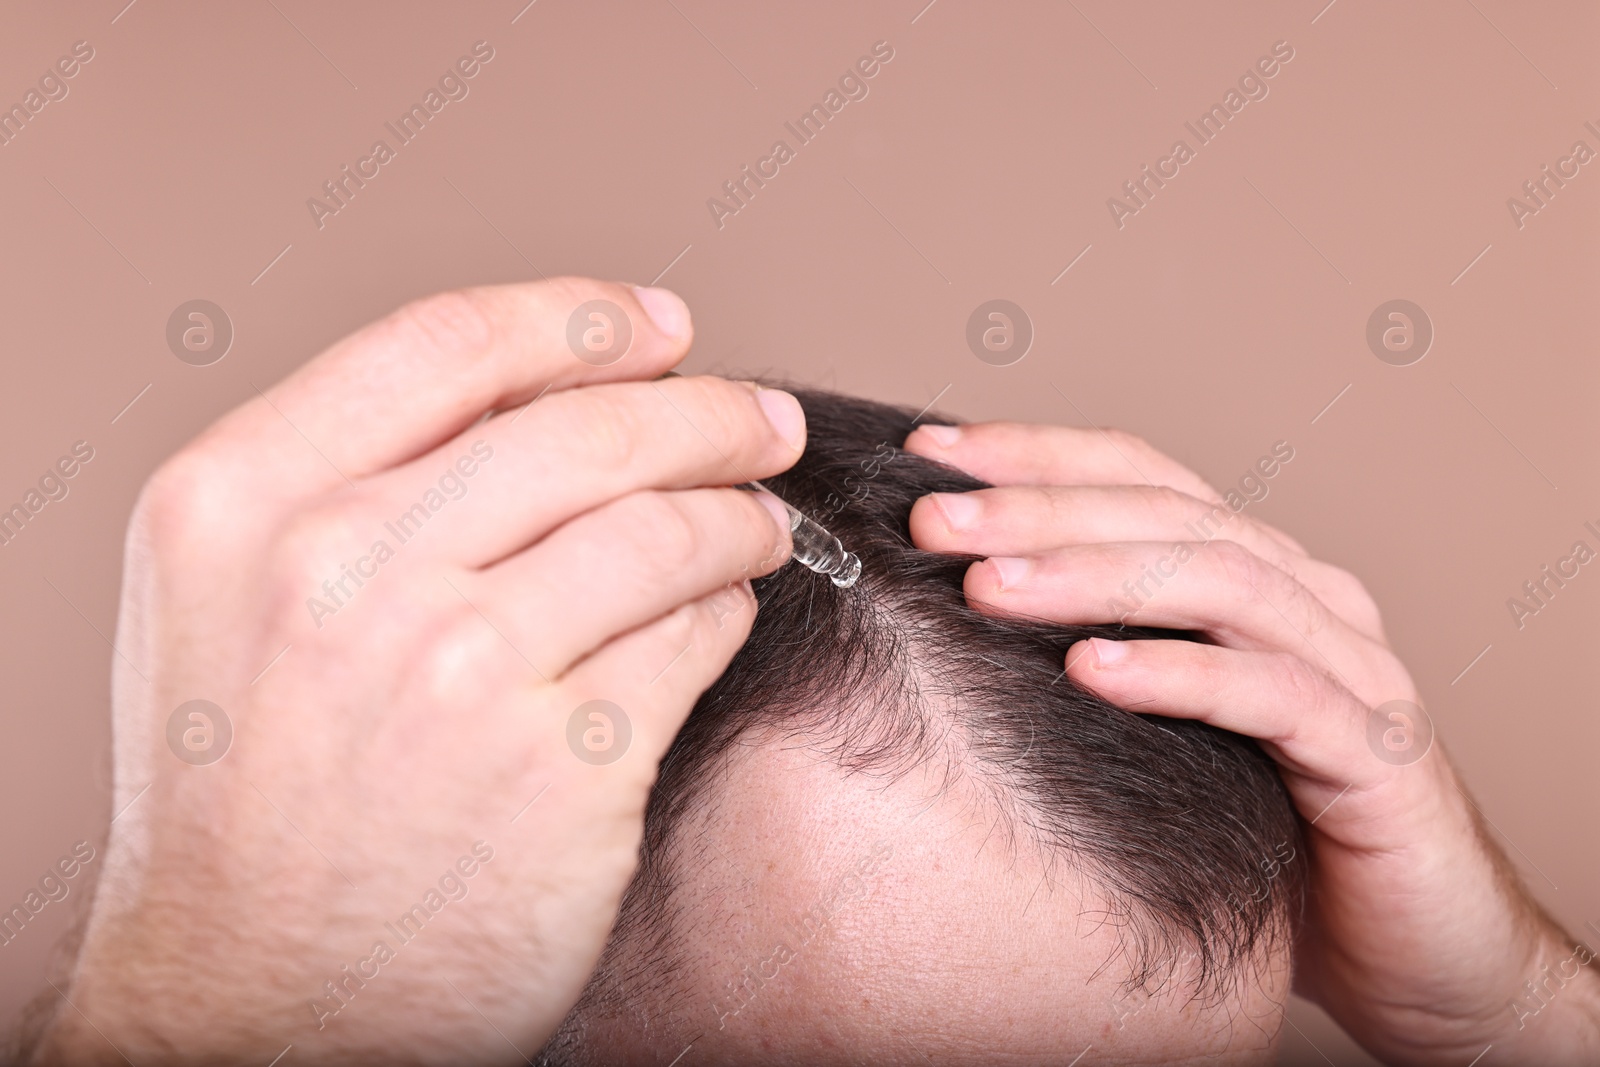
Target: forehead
(836,916)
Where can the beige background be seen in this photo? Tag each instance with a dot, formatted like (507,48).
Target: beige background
(1223,317)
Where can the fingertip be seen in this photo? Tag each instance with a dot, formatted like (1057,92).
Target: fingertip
(960,511)
(1108,653)
(1009,571)
(928,530)
(785,414)
(932,438)
(783,547)
(1096,654)
(667,312)
(978,585)
(939,519)
(988,582)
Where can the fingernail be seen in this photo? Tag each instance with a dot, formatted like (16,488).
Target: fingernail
(779,513)
(960,510)
(1010,569)
(666,310)
(943,436)
(785,414)
(1107,653)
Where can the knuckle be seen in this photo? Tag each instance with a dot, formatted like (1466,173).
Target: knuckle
(1208,518)
(1060,506)
(1308,611)
(457,323)
(1354,598)
(1240,568)
(312,543)
(456,659)
(185,497)
(1213,672)
(681,627)
(1163,497)
(1306,689)
(1163,502)
(1353,589)
(171,491)
(1261,535)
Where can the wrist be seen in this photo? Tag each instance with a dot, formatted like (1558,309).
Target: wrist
(126,1002)
(203,995)
(157,979)
(1554,1011)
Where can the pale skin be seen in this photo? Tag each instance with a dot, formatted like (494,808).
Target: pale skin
(893,917)
(1419,936)
(586,560)
(596,556)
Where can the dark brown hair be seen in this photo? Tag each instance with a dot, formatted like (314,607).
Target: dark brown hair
(1187,828)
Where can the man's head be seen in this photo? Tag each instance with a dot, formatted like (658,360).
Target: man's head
(893,831)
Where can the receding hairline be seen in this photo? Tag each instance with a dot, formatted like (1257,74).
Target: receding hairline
(846,650)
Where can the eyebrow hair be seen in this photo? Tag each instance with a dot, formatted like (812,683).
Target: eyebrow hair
(1187,829)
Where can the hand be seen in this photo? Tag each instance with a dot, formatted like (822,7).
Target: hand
(1418,936)
(405,736)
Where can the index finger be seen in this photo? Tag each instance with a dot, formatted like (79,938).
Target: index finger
(1017,453)
(400,386)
